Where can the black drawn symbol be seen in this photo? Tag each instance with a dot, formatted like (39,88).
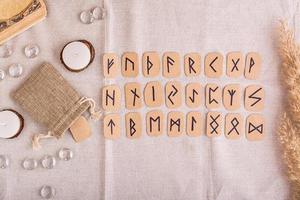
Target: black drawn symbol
(235,67)
(149,65)
(194,93)
(214,124)
(172,94)
(132,129)
(153,93)
(210,98)
(259,128)
(135,95)
(252,63)
(257,99)
(231,93)
(175,122)
(170,62)
(111,124)
(126,64)
(110,64)
(111,97)
(212,62)
(234,122)
(152,120)
(191,63)
(194,121)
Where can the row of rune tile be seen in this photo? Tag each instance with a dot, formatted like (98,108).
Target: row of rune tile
(178,124)
(236,64)
(155,96)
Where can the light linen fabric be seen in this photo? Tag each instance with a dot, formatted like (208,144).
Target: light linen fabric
(154,168)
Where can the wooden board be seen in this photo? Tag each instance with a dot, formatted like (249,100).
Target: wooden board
(111,65)
(133,95)
(133,121)
(193,123)
(112,126)
(151,64)
(24,24)
(171,65)
(154,93)
(235,64)
(193,95)
(175,123)
(234,125)
(173,94)
(232,97)
(253,65)
(254,98)
(213,96)
(111,98)
(192,64)
(255,127)
(155,122)
(213,65)
(130,64)
(80,129)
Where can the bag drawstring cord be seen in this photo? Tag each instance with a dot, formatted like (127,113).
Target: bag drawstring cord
(95,115)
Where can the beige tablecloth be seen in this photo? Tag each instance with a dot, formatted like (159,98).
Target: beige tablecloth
(162,167)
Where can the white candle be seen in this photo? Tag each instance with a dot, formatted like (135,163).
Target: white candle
(76,56)
(11,124)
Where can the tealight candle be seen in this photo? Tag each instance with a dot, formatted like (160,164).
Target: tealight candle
(11,123)
(77,55)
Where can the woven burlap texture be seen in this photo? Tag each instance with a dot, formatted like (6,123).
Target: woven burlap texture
(50,100)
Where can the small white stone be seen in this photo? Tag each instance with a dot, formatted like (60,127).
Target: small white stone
(48,162)
(15,70)
(65,154)
(31,50)
(5,51)
(29,164)
(47,192)
(86,17)
(4,162)
(99,13)
(2,74)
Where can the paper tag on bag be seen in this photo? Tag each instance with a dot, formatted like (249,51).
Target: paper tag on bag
(80,129)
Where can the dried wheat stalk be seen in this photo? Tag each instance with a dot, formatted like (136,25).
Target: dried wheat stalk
(289,130)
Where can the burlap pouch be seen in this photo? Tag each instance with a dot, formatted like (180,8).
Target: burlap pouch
(51,100)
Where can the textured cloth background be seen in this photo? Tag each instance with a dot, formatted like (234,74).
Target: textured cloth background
(163,167)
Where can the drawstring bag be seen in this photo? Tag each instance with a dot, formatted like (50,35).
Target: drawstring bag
(52,101)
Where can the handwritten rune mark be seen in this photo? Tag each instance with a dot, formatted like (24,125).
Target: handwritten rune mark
(210,99)
(175,122)
(235,65)
(111,124)
(170,61)
(212,62)
(257,99)
(126,63)
(172,94)
(149,64)
(214,124)
(132,127)
(252,128)
(194,93)
(191,63)
(252,63)
(234,122)
(110,64)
